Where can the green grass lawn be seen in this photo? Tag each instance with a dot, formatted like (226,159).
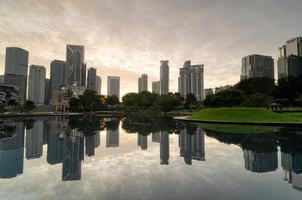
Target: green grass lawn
(239,129)
(241,114)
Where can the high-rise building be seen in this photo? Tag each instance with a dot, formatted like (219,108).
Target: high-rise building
(54,148)
(156,87)
(164,148)
(191,80)
(260,161)
(92,79)
(98,85)
(290,58)
(36,86)
(16,67)
(143,83)
(112,137)
(12,150)
(113,86)
(142,140)
(75,60)
(255,66)
(58,75)
(164,77)
(47,91)
(34,141)
(192,144)
(73,154)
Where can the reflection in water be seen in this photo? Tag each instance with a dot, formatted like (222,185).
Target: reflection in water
(68,140)
(12,150)
(191,144)
(291,161)
(73,154)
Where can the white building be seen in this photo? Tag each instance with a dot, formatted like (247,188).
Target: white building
(143,83)
(156,87)
(113,86)
(191,80)
(164,77)
(36,86)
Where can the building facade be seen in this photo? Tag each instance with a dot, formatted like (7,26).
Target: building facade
(91,79)
(60,100)
(47,95)
(113,86)
(164,77)
(156,87)
(36,84)
(290,58)
(58,75)
(75,60)
(255,66)
(98,85)
(143,83)
(16,67)
(191,80)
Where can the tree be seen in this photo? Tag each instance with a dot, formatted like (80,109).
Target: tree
(190,101)
(262,85)
(260,100)
(226,98)
(75,104)
(130,100)
(112,100)
(29,106)
(12,103)
(166,103)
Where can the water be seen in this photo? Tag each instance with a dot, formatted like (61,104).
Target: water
(107,158)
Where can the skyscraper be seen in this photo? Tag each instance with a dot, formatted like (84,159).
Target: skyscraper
(143,83)
(260,161)
(191,80)
(34,141)
(36,84)
(47,91)
(255,66)
(91,79)
(290,58)
(58,75)
(164,148)
(113,86)
(16,67)
(98,85)
(112,137)
(164,77)
(75,60)
(156,87)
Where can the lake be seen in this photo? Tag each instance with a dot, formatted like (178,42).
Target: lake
(130,158)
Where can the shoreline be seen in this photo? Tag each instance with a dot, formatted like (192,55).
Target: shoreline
(185,119)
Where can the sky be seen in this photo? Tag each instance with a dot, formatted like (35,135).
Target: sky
(127,38)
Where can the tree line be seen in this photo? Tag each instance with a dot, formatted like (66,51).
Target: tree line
(143,101)
(259,92)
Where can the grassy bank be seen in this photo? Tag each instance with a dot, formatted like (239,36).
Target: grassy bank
(241,114)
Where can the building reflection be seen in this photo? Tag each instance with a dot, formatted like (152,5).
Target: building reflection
(112,133)
(34,140)
(92,142)
(164,148)
(73,155)
(155,137)
(291,161)
(142,140)
(192,144)
(11,149)
(260,161)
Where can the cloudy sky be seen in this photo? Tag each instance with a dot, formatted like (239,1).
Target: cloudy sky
(129,37)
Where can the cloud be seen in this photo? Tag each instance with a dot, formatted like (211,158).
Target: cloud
(130,37)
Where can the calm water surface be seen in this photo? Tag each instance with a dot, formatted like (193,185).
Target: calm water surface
(107,158)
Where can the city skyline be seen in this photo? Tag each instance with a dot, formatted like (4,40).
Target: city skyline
(127,48)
